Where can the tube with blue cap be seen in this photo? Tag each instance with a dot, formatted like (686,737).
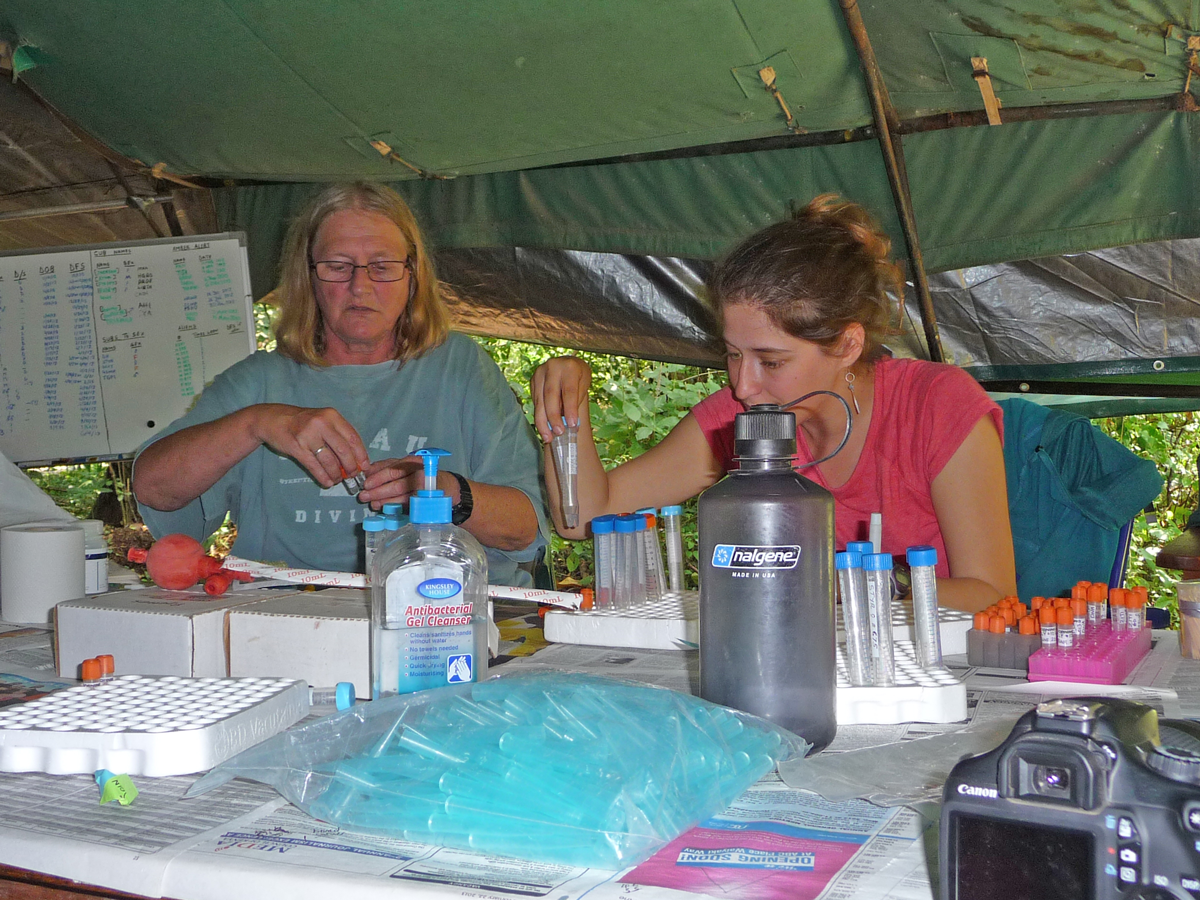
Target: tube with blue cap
(429,603)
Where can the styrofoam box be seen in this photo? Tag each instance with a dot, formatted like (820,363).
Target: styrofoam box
(919,695)
(673,623)
(322,637)
(138,725)
(148,632)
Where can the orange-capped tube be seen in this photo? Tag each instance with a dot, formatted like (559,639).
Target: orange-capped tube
(1010,616)
(997,625)
(1135,610)
(90,671)
(981,621)
(1049,626)
(107,665)
(1027,625)
(1143,593)
(1008,601)
(1097,601)
(1079,610)
(1035,603)
(1065,619)
(1080,589)
(993,610)
(1062,602)
(1117,600)
(589,598)
(1097,591)
(1022,611)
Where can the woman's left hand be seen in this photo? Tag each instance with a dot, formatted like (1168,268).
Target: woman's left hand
(395,480)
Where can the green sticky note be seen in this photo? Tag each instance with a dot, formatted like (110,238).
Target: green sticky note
(119,788)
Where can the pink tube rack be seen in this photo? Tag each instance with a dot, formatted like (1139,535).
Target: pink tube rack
(1103,657)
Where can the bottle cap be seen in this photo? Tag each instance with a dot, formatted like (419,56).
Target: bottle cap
(344,695)
(1143,592)
(1027,625)
(1006,602)
(651,520)
(1060,602)
(877,562)
(672,510)
(391,523)
(626,524)
(589,598)
(863,547)
(1116,597)
(645,511)
(107,663)
(373,523)
(1046,615)
(1009,615)
(997,625)
(1097,592)
(90,670)
(847,560)
(764,431)
(922,555)
(1080,590)
(430,506)
(392,509)
(1022,610)
(1064,616)
(603,524)
(1035,603)
(639,522)
(980,622)
(1079,607)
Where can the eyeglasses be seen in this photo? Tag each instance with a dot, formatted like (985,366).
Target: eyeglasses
(380,270)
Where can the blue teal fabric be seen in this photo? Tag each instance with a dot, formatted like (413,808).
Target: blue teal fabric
(1070,490)
(453,397)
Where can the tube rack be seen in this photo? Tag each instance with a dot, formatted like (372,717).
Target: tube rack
(138,725)
(673,623)
(1104,656)
(919,695)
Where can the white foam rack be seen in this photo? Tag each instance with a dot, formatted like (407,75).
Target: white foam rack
(139,725)
(919,695)
(674,622)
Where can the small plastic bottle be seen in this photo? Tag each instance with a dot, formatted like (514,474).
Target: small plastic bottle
(1065,620)
(602,559)
(565,450)
(108,666)
(1116,602)
(1097,598)
(341,696)
(1135,610)
(429,618)
(852,586)
(1079,609)
(1049,623)
(878,567)
(641,585)
(922,561)
(91,671)
(373,536)
(673,531)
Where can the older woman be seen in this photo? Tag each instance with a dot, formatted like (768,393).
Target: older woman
(804,306)
(365,373)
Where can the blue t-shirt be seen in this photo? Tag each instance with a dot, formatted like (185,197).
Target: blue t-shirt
(453,397)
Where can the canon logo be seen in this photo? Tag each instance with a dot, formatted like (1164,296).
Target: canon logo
(971,790)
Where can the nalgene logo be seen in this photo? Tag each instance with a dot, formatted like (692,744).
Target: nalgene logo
(971,790)
(739,556)
(438,588)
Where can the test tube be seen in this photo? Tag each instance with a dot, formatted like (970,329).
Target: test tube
(1135,610)
(624,561)
(852,586)
(341,696)
(354,484)
(565,449)
(1079,609)
(90,671)
(656,578)
(878,568)
(108,666)
(373,536)
(875,531)
(1065,620)
(921,565)
(602,559)
(1097,595)
(673,531)
(640,577)
(1117,610)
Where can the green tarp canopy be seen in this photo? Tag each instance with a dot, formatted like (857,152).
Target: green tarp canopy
(667,130)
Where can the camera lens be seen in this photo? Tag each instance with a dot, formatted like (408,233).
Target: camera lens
(1052,781)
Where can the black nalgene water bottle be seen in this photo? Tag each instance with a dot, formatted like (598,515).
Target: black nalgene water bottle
(766,584)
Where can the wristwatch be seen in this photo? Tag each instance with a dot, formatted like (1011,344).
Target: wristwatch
(461,511)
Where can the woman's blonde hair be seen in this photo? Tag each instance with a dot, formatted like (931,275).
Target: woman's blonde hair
(814,274)
(299,327)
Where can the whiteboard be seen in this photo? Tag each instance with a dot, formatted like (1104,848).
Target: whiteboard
(102,346)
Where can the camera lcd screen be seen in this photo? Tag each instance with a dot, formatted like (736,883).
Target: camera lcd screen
(997,859)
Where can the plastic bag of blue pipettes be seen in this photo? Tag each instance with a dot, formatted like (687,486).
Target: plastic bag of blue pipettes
(573,769)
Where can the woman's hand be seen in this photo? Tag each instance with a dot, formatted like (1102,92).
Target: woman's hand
(395,480)
(321,440)
(559,389)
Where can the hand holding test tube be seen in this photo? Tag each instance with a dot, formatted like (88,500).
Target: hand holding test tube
(565,448)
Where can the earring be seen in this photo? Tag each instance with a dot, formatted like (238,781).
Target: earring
(853,397)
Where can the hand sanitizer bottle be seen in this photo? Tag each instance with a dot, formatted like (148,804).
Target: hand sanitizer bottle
(429,604)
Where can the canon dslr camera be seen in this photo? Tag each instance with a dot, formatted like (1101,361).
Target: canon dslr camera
(1087,798)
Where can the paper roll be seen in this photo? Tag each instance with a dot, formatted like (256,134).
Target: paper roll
(41,564)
